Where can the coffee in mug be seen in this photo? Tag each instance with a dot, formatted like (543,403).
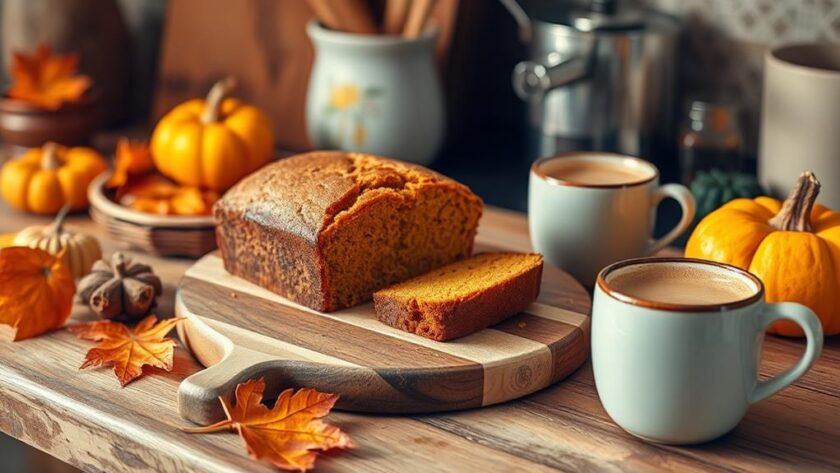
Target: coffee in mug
(586,173)
(680,284)
(676,345)
(589,209)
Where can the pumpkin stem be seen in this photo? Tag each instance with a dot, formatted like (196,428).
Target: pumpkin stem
(58,223)
(795,215)
(213,104)
(119,264)
(49,156)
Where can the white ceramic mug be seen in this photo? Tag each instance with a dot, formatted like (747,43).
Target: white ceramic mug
(678,373)
(799,117)
(581,227)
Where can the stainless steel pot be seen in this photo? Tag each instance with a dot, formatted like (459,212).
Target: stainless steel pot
(601,78)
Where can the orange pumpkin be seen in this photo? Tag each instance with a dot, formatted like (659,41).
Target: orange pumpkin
(794,247)
(44,179)
(212,143)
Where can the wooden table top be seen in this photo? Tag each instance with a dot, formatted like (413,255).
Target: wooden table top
(85,419)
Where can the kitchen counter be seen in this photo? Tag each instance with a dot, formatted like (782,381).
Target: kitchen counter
(84,418)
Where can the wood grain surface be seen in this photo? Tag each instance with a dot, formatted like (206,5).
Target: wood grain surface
(241,331)
(84,418)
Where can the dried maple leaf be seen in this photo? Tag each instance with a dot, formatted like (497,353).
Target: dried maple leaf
(286,434)
(128,350)
(131,159)
(36,291)
(193,201)
(152,186)
(156,194)
(47,80)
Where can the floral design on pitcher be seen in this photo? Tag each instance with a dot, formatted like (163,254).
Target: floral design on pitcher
(344,96)
(347,108)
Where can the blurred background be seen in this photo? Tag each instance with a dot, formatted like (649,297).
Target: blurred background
(147,55)
(677,82)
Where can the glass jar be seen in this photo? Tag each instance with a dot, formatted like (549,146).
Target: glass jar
(710,138)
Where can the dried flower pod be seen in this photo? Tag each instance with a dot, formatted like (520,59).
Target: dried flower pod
(122,289)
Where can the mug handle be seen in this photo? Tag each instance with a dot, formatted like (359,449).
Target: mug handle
(807,319)
(683,196)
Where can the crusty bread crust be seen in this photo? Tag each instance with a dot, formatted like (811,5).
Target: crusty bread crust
(281,227)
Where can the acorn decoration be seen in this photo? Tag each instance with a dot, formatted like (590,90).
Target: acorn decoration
(121,289)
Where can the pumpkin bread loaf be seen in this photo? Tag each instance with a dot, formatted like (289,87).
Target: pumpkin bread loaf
(462,297)
(327,229)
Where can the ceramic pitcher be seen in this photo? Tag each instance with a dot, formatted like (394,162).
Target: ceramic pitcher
(378,94)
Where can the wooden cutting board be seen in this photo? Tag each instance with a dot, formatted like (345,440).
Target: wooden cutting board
(240,331)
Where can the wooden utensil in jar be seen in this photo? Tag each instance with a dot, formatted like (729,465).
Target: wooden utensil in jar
(396,12)
(351,16)
(325,13)
(418,15)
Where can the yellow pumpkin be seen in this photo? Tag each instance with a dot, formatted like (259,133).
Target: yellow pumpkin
(212,143)
(44,179)
(80,249)
(794,247)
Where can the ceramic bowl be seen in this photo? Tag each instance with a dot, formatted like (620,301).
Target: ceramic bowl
(24,124)
(163,235)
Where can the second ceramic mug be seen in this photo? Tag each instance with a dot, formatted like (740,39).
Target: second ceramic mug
(678,372)
(584,227)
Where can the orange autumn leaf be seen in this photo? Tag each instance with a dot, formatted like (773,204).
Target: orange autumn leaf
(148,194)
(193,201)
(128,350)
(287,434)
(36,291)
(131,159)
(47,80)
(151,206)
(156,194)
(152,186)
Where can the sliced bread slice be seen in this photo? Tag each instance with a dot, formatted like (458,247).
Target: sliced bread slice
(463,297)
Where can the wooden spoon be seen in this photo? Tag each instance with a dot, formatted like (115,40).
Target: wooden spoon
(351,16)
(396,12)
(417,17)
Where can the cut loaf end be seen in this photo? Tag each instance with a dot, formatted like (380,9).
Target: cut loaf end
(463,297)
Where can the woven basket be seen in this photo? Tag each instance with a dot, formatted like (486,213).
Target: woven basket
(164,235)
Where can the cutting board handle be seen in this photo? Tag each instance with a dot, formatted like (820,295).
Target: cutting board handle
(198,395)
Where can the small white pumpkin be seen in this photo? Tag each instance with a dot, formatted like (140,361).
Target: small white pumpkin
(82,249)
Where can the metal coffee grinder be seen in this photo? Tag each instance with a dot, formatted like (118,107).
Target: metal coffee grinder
(599,77)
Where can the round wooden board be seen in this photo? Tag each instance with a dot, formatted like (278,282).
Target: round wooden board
(240,331)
